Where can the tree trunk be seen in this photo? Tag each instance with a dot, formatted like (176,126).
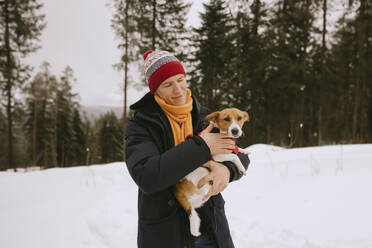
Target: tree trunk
(54,141)
(256,20)
(310,125)
(63,154)
(9,78)
(303,89)
(355,110)
(268,132)
(125,79)
(10,127)
(45,164)
(322,73)
(153,24)
(362,77)
(87,157)
(34,125)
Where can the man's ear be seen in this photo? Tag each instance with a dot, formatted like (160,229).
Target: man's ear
(245,116)
(213,117)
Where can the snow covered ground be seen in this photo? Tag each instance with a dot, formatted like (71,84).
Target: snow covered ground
(318,197)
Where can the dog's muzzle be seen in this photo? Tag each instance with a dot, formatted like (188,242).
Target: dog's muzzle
(234,130)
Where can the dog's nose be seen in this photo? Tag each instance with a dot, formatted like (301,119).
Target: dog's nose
(234,131)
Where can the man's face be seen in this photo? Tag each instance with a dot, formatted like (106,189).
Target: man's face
(173,90)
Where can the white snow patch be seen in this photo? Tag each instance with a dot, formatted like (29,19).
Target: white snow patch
(317,197)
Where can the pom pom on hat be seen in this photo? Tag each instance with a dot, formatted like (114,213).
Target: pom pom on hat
(147,53)
(160,65)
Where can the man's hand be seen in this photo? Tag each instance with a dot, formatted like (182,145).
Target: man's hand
(217,143)
(219,176)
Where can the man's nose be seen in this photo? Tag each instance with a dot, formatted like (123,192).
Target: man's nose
(177,88)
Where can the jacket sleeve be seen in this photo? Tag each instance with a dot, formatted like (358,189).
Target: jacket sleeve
(234,172)
(153,171)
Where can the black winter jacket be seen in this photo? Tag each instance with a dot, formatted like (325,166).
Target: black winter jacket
(156,165)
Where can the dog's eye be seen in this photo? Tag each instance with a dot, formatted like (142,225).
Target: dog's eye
(239,118)
(227,119)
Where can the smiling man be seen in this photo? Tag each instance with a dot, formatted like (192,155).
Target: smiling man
(162,147)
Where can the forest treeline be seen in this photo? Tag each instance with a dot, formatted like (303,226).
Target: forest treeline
(304,78)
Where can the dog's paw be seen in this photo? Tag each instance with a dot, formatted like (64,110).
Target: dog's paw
(246,152)
(195,233)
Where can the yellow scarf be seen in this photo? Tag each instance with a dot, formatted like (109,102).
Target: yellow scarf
(179,117)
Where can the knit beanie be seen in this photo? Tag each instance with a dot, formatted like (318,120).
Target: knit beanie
(160,65)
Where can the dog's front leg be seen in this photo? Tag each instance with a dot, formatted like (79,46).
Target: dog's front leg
(233,158)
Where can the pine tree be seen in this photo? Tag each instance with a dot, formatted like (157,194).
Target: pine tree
(65,101)
(322,73)
(123,23)
(161,25)
(79,139)
(21,25)
(350,54)
(290,31)
(363,27)
(341,73)
(110,138)
(20,144)
(212,74)
(39,117)
(3,141)
(92,142)
(249,65)
(370,117)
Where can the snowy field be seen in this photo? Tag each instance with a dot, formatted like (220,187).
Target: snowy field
(319,197)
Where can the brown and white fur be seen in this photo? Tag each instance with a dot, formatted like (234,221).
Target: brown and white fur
(229,121)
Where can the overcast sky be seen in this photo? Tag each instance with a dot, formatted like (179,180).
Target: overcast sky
(78,34)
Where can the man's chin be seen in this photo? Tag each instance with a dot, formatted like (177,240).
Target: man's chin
(180,102)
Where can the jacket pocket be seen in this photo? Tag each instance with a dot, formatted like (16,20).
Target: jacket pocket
(165,232)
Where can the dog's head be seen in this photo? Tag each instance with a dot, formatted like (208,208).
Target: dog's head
(229,121)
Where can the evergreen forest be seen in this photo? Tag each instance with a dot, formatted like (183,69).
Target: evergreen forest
(303,77)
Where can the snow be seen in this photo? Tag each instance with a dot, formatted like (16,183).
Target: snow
(316,197)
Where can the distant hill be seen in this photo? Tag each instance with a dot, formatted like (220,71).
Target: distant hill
(94,112)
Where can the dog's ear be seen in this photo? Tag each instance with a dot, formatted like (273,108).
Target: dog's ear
(245,116)
(213,117)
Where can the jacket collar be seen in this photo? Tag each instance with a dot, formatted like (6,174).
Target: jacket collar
(148,106)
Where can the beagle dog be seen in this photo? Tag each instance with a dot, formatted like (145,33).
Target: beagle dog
(229,121)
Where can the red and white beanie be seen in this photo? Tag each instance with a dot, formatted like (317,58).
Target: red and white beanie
(160,65)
